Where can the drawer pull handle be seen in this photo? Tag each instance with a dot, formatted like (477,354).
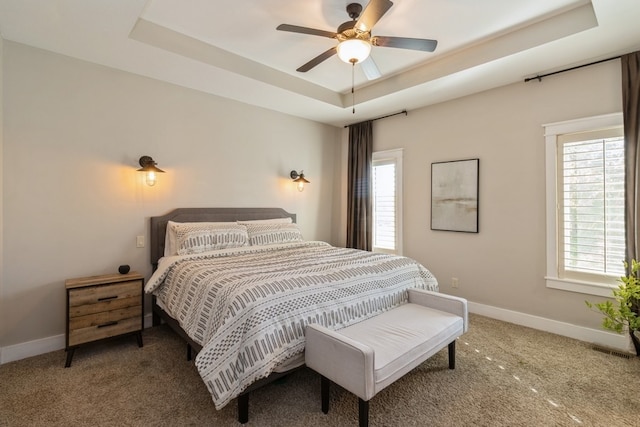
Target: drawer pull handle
(107,298)
(108,324)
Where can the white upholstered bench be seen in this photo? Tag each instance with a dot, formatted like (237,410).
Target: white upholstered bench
(366,357)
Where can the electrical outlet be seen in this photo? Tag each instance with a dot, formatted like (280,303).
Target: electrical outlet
(140,242)
(454,282)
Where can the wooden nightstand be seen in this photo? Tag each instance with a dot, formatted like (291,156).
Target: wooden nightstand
(104,306)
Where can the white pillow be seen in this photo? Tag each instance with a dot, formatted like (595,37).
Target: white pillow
(270,233)
(170,239)
(198,237)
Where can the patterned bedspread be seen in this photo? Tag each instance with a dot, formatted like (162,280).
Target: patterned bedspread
(248,307)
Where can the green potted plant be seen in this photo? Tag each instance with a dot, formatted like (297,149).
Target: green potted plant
(622,315)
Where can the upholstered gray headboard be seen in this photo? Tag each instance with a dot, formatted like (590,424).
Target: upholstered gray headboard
(159,223)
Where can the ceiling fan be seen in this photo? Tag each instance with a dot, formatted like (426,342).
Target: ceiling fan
(355,39)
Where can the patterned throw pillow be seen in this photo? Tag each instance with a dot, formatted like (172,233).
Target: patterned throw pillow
(270,234)
(195,238)
(171,237)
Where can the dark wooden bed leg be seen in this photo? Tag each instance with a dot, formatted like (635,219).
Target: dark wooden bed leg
(156,320)
(452,355)
(324,393)
(243,408)
(363,412)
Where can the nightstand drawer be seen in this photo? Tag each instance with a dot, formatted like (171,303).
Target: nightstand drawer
(114,304)
(103,318)
(106,295)
(105,330)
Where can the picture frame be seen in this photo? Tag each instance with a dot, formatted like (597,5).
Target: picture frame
(455,195)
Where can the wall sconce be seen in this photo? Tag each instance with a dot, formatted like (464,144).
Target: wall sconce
(299,179)
(150,169)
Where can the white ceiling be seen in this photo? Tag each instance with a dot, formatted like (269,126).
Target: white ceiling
(232,49)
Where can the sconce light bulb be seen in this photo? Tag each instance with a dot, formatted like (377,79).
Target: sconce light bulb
(300,186)
(151,179)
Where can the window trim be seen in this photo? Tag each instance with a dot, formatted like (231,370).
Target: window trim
(394,155)
(551,132)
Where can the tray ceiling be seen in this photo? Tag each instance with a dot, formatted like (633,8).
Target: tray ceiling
(232,49)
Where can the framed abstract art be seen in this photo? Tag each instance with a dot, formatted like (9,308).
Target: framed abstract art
(454,195)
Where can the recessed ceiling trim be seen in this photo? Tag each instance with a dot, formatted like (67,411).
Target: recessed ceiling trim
(549,29)
(164,38)
(554,28)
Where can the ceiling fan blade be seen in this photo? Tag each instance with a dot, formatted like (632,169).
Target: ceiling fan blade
(372,14)
(317,60)
(405,43)
(305,30)
(370,69)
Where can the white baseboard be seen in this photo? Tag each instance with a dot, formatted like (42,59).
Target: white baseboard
(594,336)
(45,345)
(31,348)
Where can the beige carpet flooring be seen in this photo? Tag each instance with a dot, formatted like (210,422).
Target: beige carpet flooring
(506,375)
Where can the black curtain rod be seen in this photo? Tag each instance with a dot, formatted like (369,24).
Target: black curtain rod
(379,118)
(541,76)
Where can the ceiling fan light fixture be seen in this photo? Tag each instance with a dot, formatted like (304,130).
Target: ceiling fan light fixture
(353,51)
(355,40)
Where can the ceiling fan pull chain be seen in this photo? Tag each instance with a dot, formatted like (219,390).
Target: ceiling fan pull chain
(353,92)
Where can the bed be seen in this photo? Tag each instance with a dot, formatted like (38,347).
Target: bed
(240,285)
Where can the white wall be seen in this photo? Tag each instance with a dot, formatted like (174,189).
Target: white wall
(503,266)
(73,203)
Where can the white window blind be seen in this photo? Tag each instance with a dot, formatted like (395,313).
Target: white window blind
(386,188)
(591,224)
(384,205)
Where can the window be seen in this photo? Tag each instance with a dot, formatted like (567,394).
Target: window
(585,204)
(387,201)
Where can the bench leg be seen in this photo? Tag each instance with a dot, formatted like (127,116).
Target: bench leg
(243,408)
(363,412)
(324,393)
(452,355)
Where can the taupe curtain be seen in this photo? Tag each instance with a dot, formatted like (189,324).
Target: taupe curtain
(631,117)
(359,207)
